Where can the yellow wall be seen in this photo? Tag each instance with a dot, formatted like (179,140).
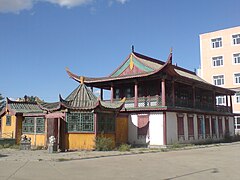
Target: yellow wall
(8,131)
(122,130)
(80,141)
(37,140)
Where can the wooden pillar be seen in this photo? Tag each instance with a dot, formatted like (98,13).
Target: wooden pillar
(58,139)
(136,94)
(111,93)
(231,106)
(101,94)
(214,100)
(194,97)
(163,93)
(173,93)
(226,100)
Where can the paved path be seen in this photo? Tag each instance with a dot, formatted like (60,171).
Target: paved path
(217,162)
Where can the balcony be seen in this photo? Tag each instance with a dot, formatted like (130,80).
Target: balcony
(156,102)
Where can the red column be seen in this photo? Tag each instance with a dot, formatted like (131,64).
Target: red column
(135,95)
(173,93)
(111,93)
(163,93)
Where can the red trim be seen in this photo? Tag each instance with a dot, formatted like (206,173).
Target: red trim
(163,93)
(136,95)
(111,94)
(164,128)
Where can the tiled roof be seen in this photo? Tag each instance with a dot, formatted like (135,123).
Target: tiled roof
(82,98)
(23,107)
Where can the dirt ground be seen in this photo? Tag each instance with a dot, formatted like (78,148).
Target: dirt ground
(211,162)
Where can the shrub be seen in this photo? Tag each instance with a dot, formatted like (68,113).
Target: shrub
(124,147)
(6,145)
(103,143)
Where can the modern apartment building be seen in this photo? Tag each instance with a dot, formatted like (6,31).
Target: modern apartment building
(220,64)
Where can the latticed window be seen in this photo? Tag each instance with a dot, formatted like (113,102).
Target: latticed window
(80,122)
(106,123)
(8,120)
(28,125)
(40,125)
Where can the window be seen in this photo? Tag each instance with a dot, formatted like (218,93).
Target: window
(217,61)
(207,126)
(236,58)
(214,126)
(216,43)
(218,80)
(180,126)
(80,122)
(40,125)
(237,78)
(220,128)
(237,122)
(8,120)
(117,93)
(220,100)
(106,123)
(29,124)
(236,39)
(226,125)
(237,95)
(200,124)
(190,127)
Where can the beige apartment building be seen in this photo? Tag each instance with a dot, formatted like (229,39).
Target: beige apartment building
(220,64)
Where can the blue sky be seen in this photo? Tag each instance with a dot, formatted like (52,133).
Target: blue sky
(40,38)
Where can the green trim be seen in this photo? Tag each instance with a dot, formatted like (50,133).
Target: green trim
(121,69)
(136,63)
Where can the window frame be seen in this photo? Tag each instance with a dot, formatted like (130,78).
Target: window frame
(33,125)
(237,97)
(236,60)
(236,40)
(215,60)
(213,43)
(236,77)
(237,122)
(78,126)
(223,99)
(8,120)
(222,79)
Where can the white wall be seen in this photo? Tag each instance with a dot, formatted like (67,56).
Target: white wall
(156,129)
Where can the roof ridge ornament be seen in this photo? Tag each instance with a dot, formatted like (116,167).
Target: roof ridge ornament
(132,48)
(82,79)
(169,60)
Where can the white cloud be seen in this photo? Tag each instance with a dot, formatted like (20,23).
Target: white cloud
(122,1)
(69,3)
(15,6)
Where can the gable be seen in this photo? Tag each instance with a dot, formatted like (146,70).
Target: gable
(132,66)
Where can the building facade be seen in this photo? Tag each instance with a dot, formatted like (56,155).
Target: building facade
(220,64)
(165,104)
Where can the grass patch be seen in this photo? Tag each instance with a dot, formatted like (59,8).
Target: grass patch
(124,147)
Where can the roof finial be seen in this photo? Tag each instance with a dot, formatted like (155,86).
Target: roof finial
(81,79)
(170,56)
(132,48)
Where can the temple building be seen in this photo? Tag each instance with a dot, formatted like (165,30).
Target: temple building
(152,103)
(165,104)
